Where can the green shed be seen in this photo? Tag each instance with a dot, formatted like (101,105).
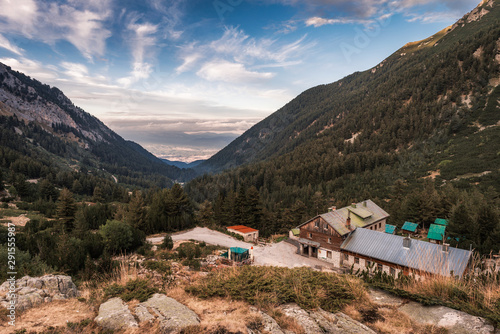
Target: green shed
(441,221)
(410,227)
(390,228)
(436,232)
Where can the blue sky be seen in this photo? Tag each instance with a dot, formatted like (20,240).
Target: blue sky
(184,78)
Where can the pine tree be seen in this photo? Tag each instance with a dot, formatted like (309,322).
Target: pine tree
(66,206)
(136,212)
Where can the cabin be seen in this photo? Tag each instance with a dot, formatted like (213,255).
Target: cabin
(410,228)
(249,234)
(394,254)
(322,236)
(436,233)
(391,229)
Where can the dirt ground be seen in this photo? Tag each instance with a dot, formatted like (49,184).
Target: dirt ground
(18,221)
(55,314)
(280,254)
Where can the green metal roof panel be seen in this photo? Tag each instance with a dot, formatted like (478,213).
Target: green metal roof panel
(409,226)
(238,250)
(362,213)
(441,221)
(436,232)
(389,228)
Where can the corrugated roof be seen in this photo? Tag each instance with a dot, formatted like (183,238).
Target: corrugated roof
(242,229)
(436,232)
(390,228)
(337,219)
(441,221)
(409,226)
(238,250)
(421,255)
(309,242)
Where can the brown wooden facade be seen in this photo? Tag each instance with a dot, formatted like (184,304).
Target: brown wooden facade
(320,231)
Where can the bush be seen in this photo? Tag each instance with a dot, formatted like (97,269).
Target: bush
(118,236)
(168,243)
(159,266)
(135,289)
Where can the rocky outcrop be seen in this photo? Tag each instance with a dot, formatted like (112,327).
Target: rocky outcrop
(171,314)
(114,315)
(454,321)
(320,321)
(32,291)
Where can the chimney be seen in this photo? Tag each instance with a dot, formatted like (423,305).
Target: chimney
(353,205)
(407,242)
(364,203)
(446,247)
(331,209)
(348,221)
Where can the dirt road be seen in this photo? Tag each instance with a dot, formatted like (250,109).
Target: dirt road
(280,254)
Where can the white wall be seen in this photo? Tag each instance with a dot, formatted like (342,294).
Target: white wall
(335,260)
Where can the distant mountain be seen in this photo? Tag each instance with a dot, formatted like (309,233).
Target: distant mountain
(182,165)
(42,117)
(431,110)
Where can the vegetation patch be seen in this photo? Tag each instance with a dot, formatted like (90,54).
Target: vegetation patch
(264,286)
(138,289)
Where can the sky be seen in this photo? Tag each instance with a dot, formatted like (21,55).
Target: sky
(185,78)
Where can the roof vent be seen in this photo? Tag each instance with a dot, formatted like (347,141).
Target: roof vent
(353,205)
(446,247)
(407,242)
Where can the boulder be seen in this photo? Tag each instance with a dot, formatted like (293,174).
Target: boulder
(32,291)
(172,315)
(114,315)
(454,321)
(296,312)
(339,323)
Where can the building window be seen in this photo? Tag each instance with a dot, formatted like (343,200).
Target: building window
(368,263)
(393,272)
(329,254)
(346,257)
(329,240)
(316,223)
(379,225)
(310,235)
(356,260)
(380,267)
(325,226)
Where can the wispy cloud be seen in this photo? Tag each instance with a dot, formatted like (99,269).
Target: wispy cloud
(6,44)
(80,23)
(319,21)
(221,70)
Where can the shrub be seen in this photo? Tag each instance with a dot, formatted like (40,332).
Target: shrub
(168,243)
(159,266)
(118,236)
(135,289)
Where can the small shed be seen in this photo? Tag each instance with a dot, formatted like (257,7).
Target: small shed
(436,233)
(410,227)
(238,254)
(390,229)
(441,221)
(249,234)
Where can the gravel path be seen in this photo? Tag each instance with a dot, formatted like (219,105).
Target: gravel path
(280,254)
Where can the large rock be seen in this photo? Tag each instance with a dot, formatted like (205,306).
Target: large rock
(172,315)
(294,311)
(114,314)
(269,325)
(32,291)
(456,322)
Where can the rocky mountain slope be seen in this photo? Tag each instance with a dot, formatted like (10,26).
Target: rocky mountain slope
(71,133)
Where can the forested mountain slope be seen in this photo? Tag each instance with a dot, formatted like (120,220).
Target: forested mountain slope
(40,122)
(426,88)
(416,133)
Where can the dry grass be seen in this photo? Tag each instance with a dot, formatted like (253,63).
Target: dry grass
(55,314)
(396,322)
(232,315)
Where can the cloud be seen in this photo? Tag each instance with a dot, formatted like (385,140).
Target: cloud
(5,43)
(79,23)
(32,68)
(221,70)
(319,21)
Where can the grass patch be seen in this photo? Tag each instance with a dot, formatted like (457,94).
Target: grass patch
(265,286)
(138,289)
(161,267)
(11,212)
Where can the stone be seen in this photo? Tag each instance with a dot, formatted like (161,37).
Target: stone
(380,297)
(294,311)
(172,315)
(269,325)
(32,291)
(454,321)
(114,315)
(339,323)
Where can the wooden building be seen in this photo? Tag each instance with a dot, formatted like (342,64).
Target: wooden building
(249,234)
(322,236)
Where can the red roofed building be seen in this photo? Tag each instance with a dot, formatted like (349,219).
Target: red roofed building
(249,234)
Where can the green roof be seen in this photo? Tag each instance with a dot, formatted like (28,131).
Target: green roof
(238,250)
(295,231)
(441,221)
(390,228)
(436,232)
(409,226)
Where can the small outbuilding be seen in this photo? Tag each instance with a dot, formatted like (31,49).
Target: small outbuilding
(237,254)
(249,234)
(390,229)
(441,221)
(409,227)
(436,233)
